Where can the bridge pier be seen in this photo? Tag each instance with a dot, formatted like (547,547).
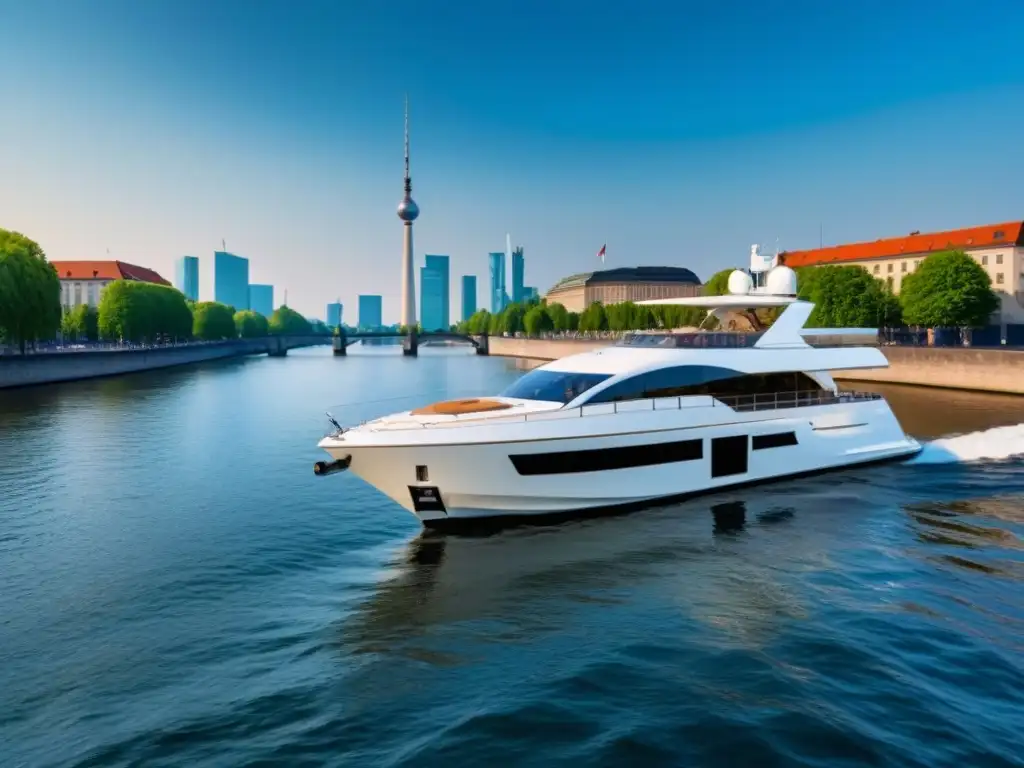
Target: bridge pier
(340,344)
(483,345)
(411,345)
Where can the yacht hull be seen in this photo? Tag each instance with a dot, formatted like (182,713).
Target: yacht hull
(618,462)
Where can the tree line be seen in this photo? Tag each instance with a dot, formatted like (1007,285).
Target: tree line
(128,311)
(948,290)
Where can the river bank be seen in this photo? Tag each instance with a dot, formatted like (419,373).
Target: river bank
(965,368)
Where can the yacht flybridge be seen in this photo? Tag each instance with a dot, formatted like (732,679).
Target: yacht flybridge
(657,416)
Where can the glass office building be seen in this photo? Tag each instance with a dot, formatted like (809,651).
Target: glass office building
(334,312)
(370,312)
(186,277)
(498,295)
(434,309)
(468,296)
(518,268)
(231,280)
(261,299)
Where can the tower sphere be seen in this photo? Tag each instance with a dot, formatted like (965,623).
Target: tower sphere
(408,210)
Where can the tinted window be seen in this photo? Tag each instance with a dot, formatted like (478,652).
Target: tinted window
(704,380)
(556,386)
(665,382)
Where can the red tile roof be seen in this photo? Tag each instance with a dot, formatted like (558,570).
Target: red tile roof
(1008,233)
(105,270)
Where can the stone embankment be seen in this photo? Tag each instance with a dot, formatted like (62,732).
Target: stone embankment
(983,370)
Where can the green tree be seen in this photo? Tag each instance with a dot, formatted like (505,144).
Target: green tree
(213,321)
(287,322)
(251,325)
(948,290)
(537,320)
(559,316)
(574,321)
(512,318)
(82,322)
(29,291)
(136,311)
(319,328)
(718,284)
(593,318)
(844,297)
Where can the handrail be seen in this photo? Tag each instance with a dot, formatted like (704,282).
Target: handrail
(740,403)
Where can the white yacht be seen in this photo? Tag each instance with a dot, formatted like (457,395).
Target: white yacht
(656,416)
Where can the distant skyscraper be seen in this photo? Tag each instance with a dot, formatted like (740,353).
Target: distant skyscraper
(231,280)
(187,277)
(334,313)
(498,296)
(261,299)
(530,293)
(370,312)
(518,267)
(434,304)
(407,212)
(468,296)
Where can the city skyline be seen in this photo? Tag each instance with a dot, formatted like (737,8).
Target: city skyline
(690,144)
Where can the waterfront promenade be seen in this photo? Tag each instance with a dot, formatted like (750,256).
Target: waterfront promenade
(968,368)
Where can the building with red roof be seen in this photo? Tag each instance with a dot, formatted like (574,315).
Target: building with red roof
(999,248)
(81,282)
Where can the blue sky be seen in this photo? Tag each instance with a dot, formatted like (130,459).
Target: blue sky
(675,132)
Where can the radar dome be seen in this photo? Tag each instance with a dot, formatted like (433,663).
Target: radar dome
(781,281)
(740,283)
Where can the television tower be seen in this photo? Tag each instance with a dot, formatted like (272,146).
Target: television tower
(407,212)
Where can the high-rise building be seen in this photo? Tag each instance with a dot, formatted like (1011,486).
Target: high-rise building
(261,299)
(370,312)
(518,267)
(498,296)
(434,291)
(530,293)
(186,277)
(468,296)
(231,280)
(334,312)
(407,212)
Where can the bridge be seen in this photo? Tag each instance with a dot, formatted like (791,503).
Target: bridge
(411,341)
(278,346)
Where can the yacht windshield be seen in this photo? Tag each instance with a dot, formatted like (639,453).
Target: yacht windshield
(556,386)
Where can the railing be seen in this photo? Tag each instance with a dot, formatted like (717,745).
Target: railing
(741,403)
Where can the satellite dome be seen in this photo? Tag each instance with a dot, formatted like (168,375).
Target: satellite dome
(740,283)
(408,210)
(781,281)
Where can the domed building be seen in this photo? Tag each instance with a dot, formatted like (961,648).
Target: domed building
(612,286)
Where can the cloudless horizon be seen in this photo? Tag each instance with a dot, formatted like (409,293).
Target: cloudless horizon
(677,133)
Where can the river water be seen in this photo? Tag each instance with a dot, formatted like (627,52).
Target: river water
(177,588)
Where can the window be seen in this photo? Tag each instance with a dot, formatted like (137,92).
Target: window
(984,260)
(78,294)
(889,269)
(999,258)
(555,386)
(917,263)
(603,459)
(876,269)
(687,380)
(999,278)
(903,266)
(777,440)
(999,235)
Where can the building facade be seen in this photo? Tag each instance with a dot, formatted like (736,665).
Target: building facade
(335,310)
(497,270)
(518,270)
(434,304)
(613,286)
(999,248)
(82,282)
(231,280)
(370,312)
(186,274)
(468,296)
(261,299)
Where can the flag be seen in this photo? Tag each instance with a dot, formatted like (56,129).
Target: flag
(600,254)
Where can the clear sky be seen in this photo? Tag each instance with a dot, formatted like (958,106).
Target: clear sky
(676,132)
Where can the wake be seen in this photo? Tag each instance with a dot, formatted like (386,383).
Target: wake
(987,445)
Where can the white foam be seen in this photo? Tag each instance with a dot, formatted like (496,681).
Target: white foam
(989,444)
